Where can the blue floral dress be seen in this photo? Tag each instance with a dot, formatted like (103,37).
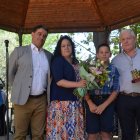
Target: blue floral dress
(65,119)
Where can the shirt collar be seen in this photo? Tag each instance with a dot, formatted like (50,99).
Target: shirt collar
(136,49)
(34,48)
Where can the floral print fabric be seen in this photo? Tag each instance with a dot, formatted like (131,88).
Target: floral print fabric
(65,121)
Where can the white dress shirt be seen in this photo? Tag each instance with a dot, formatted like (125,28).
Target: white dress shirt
(40,70)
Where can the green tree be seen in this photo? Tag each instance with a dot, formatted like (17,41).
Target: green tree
(114,37)
(12,37)
(84,47)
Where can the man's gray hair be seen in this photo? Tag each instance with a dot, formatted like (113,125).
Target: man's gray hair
(129,31)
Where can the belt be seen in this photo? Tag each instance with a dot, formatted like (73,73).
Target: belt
(37,96)
(132,94)
(100,97)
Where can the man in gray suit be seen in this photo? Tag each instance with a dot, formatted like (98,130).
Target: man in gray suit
(29,76)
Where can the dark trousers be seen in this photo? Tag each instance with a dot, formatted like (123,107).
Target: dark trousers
(128,109)
(2,120)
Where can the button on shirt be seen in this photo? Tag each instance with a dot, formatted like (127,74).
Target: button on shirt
(125,64)
(40,70)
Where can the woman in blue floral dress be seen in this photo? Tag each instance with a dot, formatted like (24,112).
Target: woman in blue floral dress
(65,119)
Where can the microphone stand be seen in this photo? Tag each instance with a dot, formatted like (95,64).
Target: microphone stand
(7,81)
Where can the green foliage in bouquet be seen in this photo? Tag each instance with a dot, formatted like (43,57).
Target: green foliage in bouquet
(95,73)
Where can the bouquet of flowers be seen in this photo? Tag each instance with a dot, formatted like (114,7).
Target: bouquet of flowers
(95,73)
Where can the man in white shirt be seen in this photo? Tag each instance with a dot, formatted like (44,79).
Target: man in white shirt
(29,76)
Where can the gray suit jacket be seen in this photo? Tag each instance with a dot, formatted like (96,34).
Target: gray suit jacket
(20,74)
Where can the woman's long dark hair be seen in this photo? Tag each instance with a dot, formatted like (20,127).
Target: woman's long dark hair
(57,51)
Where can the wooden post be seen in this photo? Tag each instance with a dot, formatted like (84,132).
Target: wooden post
(101,37)
(20,37)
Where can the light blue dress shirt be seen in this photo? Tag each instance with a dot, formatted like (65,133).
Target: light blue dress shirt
(125,64)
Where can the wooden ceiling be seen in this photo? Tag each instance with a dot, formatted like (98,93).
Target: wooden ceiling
(68,15)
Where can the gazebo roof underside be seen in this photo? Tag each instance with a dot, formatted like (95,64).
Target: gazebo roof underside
(68,15)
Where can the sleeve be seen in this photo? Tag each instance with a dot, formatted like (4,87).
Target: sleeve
(57,69)
(116,86)
(1,100)
(4,97)
(13,65)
